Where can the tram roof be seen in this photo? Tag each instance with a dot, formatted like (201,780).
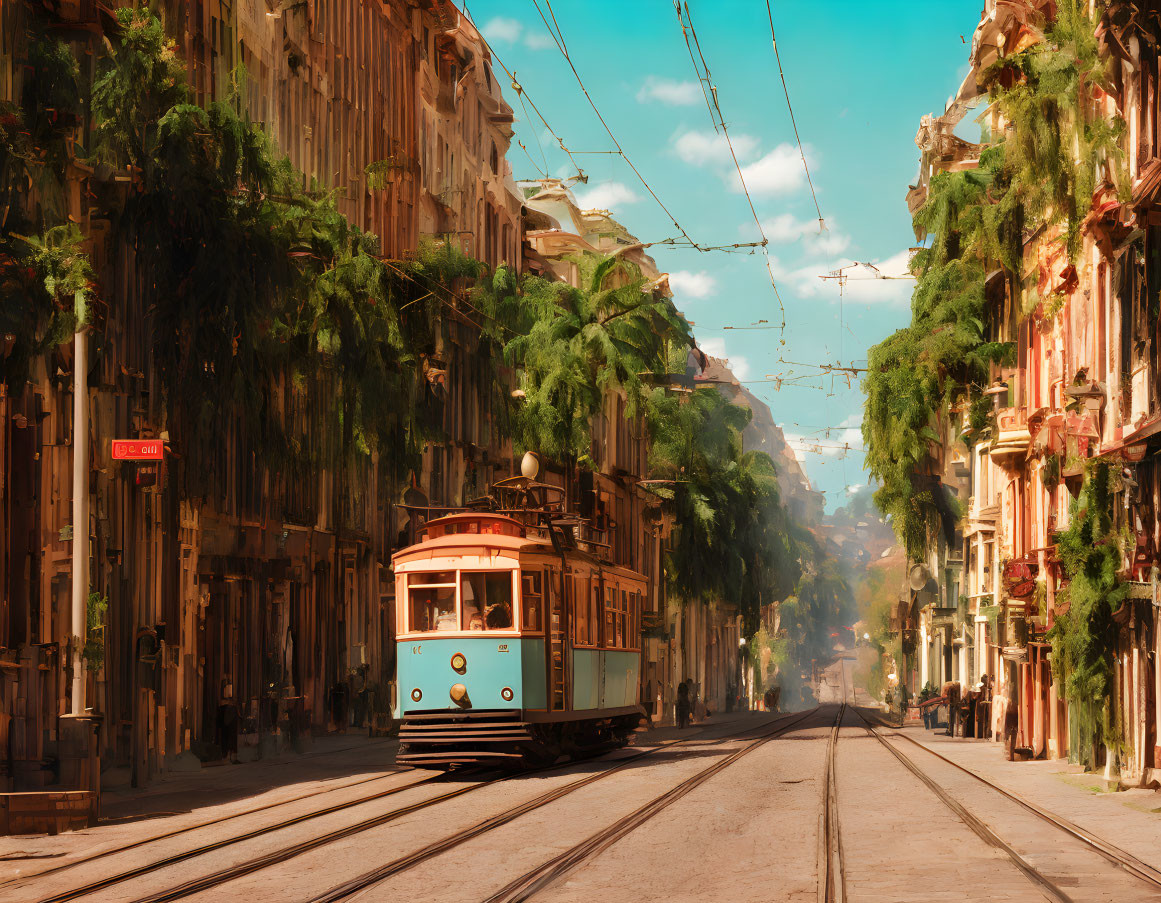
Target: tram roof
(424,548)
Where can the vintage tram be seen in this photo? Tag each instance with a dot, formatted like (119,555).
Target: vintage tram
(516,642)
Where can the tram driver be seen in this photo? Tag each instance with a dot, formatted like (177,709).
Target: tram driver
(487,600)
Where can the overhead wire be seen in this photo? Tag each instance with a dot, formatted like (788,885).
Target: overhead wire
(719,122)
(539,146)
(581,176)
(790,109)
(558,39)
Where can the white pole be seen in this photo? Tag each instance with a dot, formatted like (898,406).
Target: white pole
(80,587)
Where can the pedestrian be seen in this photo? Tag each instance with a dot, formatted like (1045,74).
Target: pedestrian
(691,689)
(228,721)
(683,705)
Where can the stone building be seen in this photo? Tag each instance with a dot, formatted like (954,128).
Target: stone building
(1079,392)
(267,592)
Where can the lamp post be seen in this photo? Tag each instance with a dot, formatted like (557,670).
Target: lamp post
(80,543)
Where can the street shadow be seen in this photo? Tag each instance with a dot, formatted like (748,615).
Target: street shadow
(220,785)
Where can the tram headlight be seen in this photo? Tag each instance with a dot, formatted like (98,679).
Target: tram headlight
(416,694)
(506,694)
(459,663)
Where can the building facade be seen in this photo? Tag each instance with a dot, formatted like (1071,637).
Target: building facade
(1073,406)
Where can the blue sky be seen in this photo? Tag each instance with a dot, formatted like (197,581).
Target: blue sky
(860,73)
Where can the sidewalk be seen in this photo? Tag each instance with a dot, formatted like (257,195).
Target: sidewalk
(1129,819)
(332,757)
(716,724)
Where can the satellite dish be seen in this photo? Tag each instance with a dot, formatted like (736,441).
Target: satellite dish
(530,466)
(918,577)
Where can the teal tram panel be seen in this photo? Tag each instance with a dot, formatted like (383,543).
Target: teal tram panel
(621,672)
(492,664)
(586,679)
(532,669)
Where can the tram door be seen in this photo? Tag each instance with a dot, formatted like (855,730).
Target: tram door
(557,646)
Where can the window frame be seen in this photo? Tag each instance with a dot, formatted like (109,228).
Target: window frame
(517,603)
(539,571)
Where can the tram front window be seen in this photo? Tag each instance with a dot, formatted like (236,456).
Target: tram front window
(487,600)
(432,602)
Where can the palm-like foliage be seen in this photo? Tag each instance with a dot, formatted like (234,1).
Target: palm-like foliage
(582,345)
(1041,171)
(733,539)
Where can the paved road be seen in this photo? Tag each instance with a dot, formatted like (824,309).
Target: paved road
(730,811)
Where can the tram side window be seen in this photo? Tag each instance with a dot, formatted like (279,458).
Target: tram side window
(487,600)
(611,617)
(431,601)
(580,594)
(532,597)
(624,621)
(594,598)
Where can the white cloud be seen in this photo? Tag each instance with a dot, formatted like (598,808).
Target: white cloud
(503,29)
(716,347)
(700,148)
(778,172)
(862,285)
(537,41)
(785,228)
(831,446)
(606,196)
(692,285)
(670,92)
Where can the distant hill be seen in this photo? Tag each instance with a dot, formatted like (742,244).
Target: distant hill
(763,434)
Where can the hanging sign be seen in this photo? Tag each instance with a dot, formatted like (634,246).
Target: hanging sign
(138,449)
(1020,576)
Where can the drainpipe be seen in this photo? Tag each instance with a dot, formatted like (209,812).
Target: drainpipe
(80,515)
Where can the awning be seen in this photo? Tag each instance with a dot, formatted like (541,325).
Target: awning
(1147,430)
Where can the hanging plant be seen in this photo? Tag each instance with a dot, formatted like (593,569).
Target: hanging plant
(94,649)
(1083,635)
(1050,471)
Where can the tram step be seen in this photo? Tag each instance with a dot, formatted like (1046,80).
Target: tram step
(457,757)
(514,716)
(463,737)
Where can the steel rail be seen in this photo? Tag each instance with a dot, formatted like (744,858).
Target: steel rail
(1114,854)
(832,884)
(224,875)
(542,876)
(146,868)
(20,880)
(1045,884)
(367,880)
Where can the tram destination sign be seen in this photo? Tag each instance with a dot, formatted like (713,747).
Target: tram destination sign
(138,449)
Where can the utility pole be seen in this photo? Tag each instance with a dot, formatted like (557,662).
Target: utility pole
(80,596)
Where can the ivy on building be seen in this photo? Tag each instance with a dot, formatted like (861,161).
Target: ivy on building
(1083,635)
(1040,173)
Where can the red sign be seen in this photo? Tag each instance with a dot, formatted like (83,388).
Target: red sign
(1020,577)
(138,449)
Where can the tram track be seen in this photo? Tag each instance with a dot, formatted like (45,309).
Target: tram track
(532,882)
(357,885)
(206,823)
(167,861)
(1110,852)
(832,885)
(1050,889)
(222,876)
